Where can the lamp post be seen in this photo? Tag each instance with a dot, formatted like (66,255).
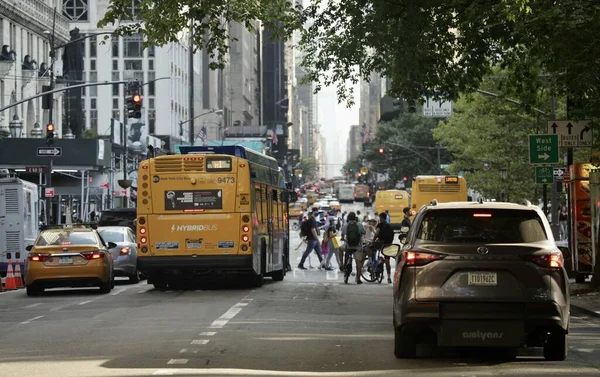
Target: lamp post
(15,127)
(503,174)
(36,132)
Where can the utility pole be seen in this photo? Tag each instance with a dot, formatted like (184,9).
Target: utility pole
(555,224)
(191,132)
(48,201)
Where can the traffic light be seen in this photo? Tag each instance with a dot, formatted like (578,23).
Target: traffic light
(412,106)
(134,106)
(50,133)
(405,179)
(381,151)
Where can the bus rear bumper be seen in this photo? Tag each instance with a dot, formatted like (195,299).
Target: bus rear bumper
(200,265)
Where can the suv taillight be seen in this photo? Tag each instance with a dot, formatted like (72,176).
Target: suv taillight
(124,251)
(419,258)
(93,255)
(39,257)
(554,260)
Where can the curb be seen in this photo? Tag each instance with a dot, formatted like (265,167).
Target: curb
(584,311)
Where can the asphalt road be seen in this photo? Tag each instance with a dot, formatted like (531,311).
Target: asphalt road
(311,324)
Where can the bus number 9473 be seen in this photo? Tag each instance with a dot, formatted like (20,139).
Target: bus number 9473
(226,180)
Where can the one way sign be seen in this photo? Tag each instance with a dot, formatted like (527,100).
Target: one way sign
(49,151)
(571,133)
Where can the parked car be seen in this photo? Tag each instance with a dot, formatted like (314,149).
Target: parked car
(481,275)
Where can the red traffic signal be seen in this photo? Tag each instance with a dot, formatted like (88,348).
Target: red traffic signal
(405,179)
(137,98)
(381,150)
(49,127)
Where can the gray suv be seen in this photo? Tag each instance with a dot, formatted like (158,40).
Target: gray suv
(481,275)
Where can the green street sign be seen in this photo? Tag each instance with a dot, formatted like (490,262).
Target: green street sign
(544,174)
(543,149)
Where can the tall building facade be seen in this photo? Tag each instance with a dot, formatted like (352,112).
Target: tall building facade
(354,144)
(164,71)
(369,111)
(25,36)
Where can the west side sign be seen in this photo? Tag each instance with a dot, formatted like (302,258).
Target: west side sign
(572,133)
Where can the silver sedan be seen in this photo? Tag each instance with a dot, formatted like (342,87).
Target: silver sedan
(125,253)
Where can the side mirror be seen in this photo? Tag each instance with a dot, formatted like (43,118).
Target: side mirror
(29,247)
(112,245)
(391,250)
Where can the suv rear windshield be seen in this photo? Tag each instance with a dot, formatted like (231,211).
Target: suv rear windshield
(482,225)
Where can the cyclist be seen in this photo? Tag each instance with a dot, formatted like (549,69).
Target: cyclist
(384,235)
(353,233)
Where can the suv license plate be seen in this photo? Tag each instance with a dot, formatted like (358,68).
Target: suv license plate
(65,260)
(483,278)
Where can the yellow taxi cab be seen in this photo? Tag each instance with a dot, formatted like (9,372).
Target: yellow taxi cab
(69,257)
(297,208)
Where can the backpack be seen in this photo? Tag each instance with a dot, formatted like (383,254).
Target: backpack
(353,234)
(305,229)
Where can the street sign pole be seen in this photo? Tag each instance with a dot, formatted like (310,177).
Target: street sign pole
(48,201)
(555,224)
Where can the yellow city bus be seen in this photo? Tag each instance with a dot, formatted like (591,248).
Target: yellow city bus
(393,201)
(211,211)
(361,192)
(443,188)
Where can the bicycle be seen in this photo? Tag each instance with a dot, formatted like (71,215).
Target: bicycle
(373,270)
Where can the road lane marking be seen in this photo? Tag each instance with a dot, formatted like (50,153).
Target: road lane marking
(145,290)
(33,305)
(200,341)
(85,302)
(208,333)
(117,292)
(178,361)
(185,350)
(31,320)
(228,315)
(165,372)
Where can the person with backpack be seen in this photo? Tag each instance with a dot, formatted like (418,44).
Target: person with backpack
(384,235)
(309,230)
(353,233)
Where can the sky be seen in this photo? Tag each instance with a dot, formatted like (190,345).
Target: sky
(335,126)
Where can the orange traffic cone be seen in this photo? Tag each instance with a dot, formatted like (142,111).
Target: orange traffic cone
(18,276)
(10,278)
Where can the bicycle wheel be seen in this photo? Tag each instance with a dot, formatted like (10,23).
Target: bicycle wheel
(379,273)
(369,274)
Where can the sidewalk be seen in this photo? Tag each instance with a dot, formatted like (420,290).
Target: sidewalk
(585,299)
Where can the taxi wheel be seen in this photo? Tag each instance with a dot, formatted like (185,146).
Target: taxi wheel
(34,291)
(107,287)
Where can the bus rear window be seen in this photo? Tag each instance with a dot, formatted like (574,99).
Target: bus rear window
(218,164)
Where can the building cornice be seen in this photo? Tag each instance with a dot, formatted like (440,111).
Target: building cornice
(36,16)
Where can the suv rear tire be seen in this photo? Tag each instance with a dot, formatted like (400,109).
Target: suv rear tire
(556,346)
(405,346)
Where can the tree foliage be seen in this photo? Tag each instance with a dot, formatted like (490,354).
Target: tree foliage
(448,46)
(408,149)
(164,21)
(488,139)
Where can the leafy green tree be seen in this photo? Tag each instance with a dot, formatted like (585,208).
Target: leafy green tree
(352,166)
(449,46)
(408,148)
(308,166)
(164,21)
(488,140)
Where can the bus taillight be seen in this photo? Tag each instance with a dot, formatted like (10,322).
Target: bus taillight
(143,240)
(245,238)
(245,229)
(142,230)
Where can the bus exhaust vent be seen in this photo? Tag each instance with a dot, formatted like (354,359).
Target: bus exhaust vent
(11,197)
(193,165)
(449,188)
(168,165)
(13,241)
(424,187)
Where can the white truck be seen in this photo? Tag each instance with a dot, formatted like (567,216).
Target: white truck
(346,193)
(19,219)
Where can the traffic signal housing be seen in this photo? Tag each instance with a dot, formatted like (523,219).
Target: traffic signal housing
(381,151)
(50,129)
(134,106)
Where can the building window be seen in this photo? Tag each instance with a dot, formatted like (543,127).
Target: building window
(75,10)
(132,46)
(151,121)
(115,64)
(151,78)
(115,77)
(93,46)
(151,53)
(115,105)
(115,47)
(151,64)
(115,90)
(116,114)
(93,89)
(133,64)
(93,102)
(151,103)
(94,120)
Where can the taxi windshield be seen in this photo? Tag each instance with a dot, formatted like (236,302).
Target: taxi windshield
(61,238)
